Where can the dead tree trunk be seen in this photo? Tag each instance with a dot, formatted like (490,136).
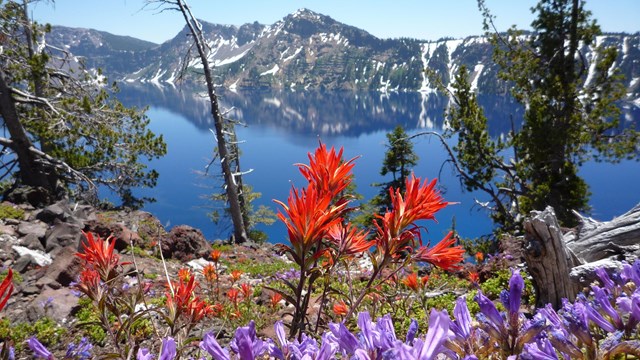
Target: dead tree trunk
(231,185)
(562,263)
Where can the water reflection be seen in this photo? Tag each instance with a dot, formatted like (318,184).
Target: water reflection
(317,113)
(283,126)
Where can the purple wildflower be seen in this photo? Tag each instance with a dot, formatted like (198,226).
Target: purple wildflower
(488,309)
(39,350)
(347,342)
(211,346)
(411,333)
(144,354)
(246,343)
(461,326)
(47,303)
(541,350)
(436,335)
(575,317)
(605,279)
(327,349)
(429,347)
(81,351)
(291,349)
(168,350)
(602,300)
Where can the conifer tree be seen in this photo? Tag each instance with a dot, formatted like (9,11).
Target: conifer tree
(569,117)
(399,160)
(66,131)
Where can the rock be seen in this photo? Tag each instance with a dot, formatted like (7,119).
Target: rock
(122,234)
(31,241)
(39,257)
(30,290)
(23,263)
(35,196)
(84,212)
(63,270)
(8,229)
(11,221)
(59,210)
(8,239)
(57,304)
(38,228)
(62,235)
(185,243)
(198,264)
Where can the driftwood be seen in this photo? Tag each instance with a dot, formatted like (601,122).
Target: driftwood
(563,262)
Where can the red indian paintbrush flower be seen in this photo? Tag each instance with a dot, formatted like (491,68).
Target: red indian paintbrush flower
(340,308)
(209,272)
(396,229)
(275,299)
(99,254)
(411,281)
(90,285)
(235,275)
(309,215)
(420,202)
(348,240)
(442,255)
(215,255)
(326,171)
(184,274)
(474,277)
(184,302)
(246,290)
(232,294)
(6,288)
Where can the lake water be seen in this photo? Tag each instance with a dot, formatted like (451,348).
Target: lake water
(283,126)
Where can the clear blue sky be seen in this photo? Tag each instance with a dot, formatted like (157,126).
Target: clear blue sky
(422,19)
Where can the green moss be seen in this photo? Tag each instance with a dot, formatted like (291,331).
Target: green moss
(150,276)
(8,211)
(493,286)
(222,247)
(88,321)
(266,268)
(44,329)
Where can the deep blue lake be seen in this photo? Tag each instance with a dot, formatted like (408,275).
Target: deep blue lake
(283,126)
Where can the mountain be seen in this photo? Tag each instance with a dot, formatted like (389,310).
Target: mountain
(310,50)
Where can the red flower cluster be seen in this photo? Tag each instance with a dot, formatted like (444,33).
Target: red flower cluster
(183,301)
(320,235)
(99,255)
(443,254)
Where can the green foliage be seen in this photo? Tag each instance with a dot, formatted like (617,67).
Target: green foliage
(263,269)
(89,322)
(494,285)
(8,211)
(252,216)
(89,138)
(568,118)
(45,329)
(399,159)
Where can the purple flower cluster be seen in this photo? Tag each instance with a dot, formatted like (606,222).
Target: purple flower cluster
(602,325)
(376,340)
(291,274)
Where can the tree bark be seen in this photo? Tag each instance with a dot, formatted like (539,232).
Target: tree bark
(240,233)
(30,173)
(561,264)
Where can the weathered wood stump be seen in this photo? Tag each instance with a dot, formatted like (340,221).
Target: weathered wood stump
(562,262)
